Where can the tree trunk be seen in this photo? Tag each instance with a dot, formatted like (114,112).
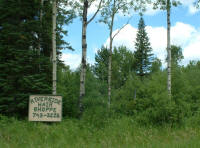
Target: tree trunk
(110,57)
(110,70)
(83,62)
(54,12)
(168,49)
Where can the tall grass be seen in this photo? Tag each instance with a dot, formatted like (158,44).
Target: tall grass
(116,133)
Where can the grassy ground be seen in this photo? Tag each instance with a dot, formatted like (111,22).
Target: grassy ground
(119,133)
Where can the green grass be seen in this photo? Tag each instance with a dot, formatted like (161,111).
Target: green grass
(116,133)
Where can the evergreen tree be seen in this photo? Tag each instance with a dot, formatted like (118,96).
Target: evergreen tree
(23,72)
(19,62)
(143,53)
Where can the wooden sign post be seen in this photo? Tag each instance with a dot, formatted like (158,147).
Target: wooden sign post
(45,108)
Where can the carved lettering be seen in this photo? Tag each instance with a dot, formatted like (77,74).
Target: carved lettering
(45,108)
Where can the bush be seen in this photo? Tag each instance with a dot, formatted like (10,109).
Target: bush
(149,103)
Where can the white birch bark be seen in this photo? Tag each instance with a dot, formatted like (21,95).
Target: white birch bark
(110,58)
(115,10)
(54,12)
(168,49)
(85,22)
(83,61)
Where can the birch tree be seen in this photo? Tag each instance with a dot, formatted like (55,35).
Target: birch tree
(84,5)
(54,12)
(166,5)
(108,13)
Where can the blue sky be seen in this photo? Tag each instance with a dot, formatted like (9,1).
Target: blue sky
(185,32)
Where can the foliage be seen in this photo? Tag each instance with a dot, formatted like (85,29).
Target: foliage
(135,102)
(24,70)
(101,64)
(143,54)
(196,3)
(68,87)
(122,65)
(156,65)
(147,100)
(162,4)
(177,54)
(20,73)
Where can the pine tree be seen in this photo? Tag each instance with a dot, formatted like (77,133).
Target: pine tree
(20,32)
(20,75)
(143,53)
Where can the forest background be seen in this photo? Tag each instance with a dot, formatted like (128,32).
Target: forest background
(139,95)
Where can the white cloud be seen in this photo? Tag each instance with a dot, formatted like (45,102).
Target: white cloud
(183,35)
(157,37)
(193,9)
(185,3)
(96,50)
(126,37)
(190,4)
(93,7)
(149,7)
(192,51)
(73,60)
(150,10)
(188,38)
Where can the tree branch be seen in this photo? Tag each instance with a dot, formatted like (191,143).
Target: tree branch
(99,7)
(122,28)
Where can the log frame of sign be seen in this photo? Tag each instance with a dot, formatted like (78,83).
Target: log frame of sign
(45,107)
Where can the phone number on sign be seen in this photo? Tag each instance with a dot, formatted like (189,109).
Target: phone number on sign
(47,115)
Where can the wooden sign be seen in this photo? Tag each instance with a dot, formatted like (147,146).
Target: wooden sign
(45,108)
